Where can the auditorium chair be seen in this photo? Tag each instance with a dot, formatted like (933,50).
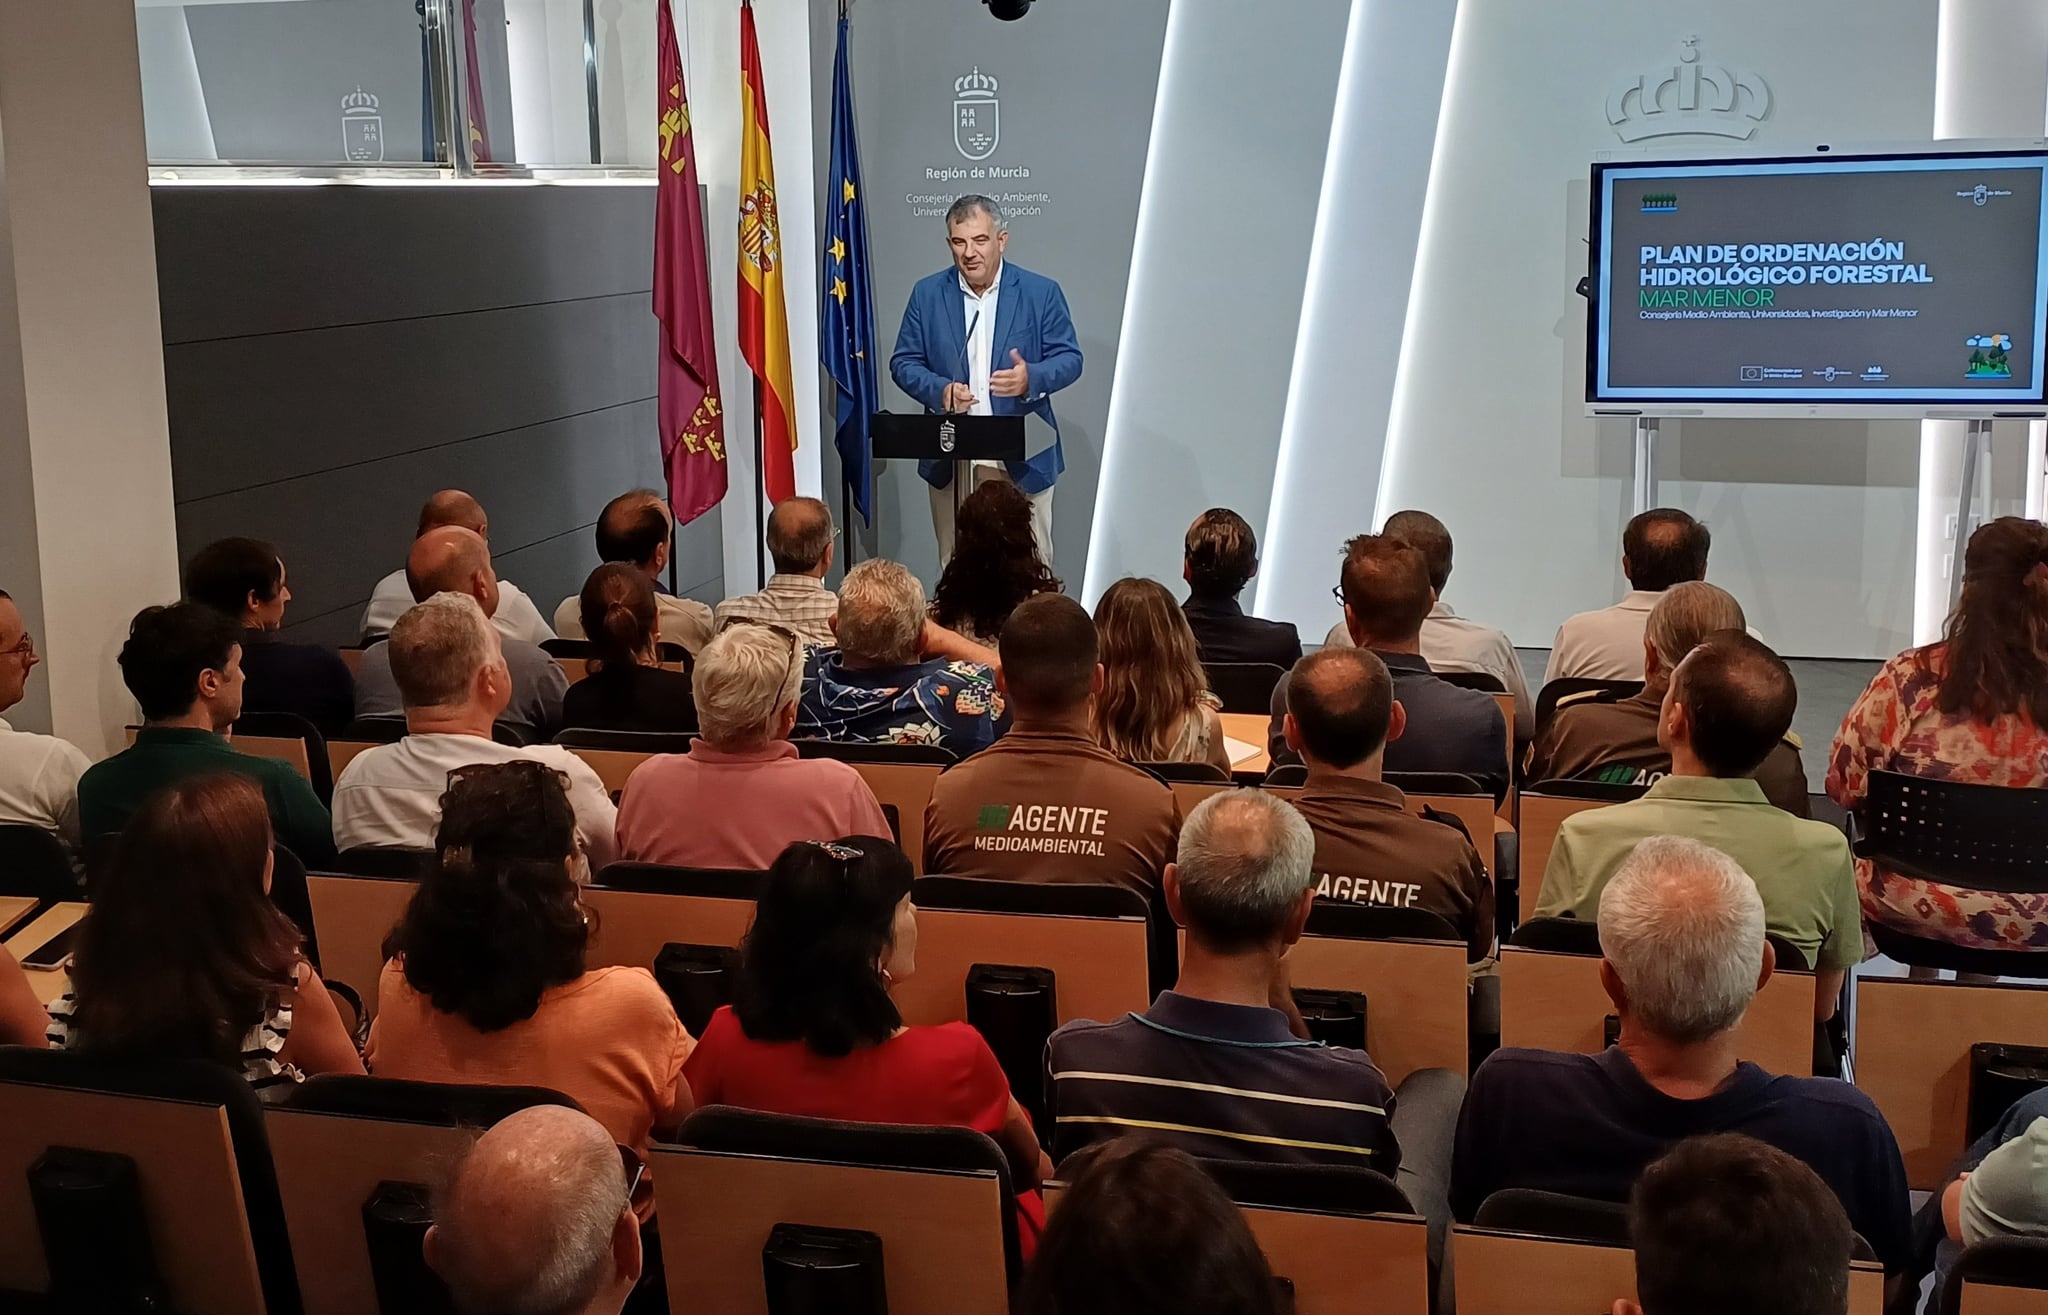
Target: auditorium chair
(381,861)
(1410,966)
(289,738)
(338,1142)
(355,914)
(746,1199)
(573,649)
(1912,1047)
(680,922)
(1953,833)
(1339,1238)
(614,755)
(33,864)
(1562,690)
(1202,773)
(901,776)
(1543,808)
(1998,1276)
(155,1176)
(1244,686)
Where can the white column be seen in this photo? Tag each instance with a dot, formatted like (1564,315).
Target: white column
(1990,80)
(87,537)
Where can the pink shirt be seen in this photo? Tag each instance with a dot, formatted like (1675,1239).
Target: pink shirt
(712,809)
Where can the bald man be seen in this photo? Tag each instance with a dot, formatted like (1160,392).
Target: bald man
(537,1220)
(800,544)
(451,559)
(634,529)
(516,617)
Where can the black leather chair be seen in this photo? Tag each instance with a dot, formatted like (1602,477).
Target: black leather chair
(582,737)
(1578,936)
(1611,792)
(1331,1188)
(569,650)
(291,726)
(33,863)
(390,730)
(663,879)
(1435,783)
(1551,694)
(1244,686)
(921,755)
(1187,773)
(2002,1262)
(1287,776)
(1553,1214)
(445,1104)
(374,861)
(1369,922)
(1483,681)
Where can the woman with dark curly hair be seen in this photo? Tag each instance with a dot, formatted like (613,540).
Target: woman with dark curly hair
(488,979)
(995,564)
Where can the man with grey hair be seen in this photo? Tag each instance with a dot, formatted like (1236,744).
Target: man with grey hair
(800,545)
(984,337)
(537,1220)
(1683,954)
(742,794)
(449,666)
(1603,736)
(897,677)
(1222,1065)
(452,559)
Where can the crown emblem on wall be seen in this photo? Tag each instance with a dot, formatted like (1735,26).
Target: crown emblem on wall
(1690,97)
(359,102)
(975,86)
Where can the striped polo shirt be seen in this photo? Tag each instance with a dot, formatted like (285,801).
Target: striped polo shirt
(1220,1081)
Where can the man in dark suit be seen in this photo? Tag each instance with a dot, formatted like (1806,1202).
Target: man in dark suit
(1220,559)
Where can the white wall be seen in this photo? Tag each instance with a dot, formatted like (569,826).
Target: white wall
(1812,519)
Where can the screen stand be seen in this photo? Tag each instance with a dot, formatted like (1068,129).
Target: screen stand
(1646,464)
(1976,454)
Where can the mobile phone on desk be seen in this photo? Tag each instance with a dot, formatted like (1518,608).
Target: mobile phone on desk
(52,954)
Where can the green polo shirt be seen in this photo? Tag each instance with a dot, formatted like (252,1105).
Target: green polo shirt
(1802,869)
(111,791)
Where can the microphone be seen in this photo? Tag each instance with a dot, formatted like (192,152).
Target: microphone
(967,347)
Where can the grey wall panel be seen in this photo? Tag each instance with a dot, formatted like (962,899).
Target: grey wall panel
(312,257)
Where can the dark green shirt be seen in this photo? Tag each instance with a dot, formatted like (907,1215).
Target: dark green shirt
(111,791)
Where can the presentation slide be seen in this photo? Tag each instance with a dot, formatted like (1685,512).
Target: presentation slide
(1900,279)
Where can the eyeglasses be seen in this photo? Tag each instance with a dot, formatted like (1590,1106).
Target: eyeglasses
(796,644)
(635,1166)
(25,649)
(844,853)
(1337,592)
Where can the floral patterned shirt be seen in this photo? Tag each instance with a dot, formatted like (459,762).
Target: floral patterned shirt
(954,705)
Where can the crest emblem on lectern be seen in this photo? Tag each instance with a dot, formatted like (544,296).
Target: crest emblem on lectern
(977,124)
(362,128)
(946,436)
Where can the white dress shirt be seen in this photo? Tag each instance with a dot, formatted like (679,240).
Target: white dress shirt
(979,315)
(683,621)
(39,782)
(1451,643)
(390,796)
(516,618)
(1603,645)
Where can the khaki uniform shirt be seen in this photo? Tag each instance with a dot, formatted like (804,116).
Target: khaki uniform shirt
(1051,806)
(1615,740)
(1371,850)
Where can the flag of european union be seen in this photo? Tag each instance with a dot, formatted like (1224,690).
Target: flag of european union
(846,329)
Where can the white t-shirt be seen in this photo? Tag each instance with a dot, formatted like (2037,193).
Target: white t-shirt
(1603,645)
(39,782)
(516,618)
(390,796)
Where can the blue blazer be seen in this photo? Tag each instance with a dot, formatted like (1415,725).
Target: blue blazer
(1031,318)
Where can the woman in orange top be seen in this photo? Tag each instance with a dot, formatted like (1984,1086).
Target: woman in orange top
(487,980)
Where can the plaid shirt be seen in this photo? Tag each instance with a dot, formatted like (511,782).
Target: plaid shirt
(798,603)
(954,705)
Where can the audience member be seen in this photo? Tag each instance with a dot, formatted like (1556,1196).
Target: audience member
(22,1020)
(1729,703)
(1155,705)
(183,664)
(897,678)
(244,578)
(1660,548)
(1222,1066)
(795,598)
(455,560)
(742,794)
(626,688)
(451,673)
(1046,802)
(1602,736)
(488,979)
(536,1220)
(812,1030)
(1369,849)
(183,956)
(1219,558)
(1724,1223)
(995,564)
(1386,597)
(1449,641)
(1682,931)
(1143,1230)
(1972,707)
(635,530)
(516,617)
(2003,1191)
(39,774)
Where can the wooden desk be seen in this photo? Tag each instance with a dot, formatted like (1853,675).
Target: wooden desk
(1251,728)
(13,908)
(46,983)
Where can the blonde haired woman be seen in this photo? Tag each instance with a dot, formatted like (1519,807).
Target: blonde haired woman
(1155,705)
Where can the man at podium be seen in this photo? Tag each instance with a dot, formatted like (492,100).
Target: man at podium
(988,338)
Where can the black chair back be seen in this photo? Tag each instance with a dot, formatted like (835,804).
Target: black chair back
(1435,783)
(374,861)
(288,891)
(1483,681)
(1244,686)
(1979,837)
(1553,1214)
(291,726)
(1547,699)
(978,895)
(1611,792)
(374,730)
(662,879)
(1368,922)
(569,650)
(1558,936)
(33,863)
(1188,773)
(1343,1189)
(923,755)
(442,1104)
(1287,776)
(1787,956)
(578,737)
(2004,1262)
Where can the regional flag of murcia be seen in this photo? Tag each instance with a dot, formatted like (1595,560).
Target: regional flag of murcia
(692,421)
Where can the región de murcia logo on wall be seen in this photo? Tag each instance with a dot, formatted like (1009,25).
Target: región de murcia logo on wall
(977,123)
(362,128)
(1691,97)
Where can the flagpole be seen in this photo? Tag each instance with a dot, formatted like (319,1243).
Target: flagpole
(760,497)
